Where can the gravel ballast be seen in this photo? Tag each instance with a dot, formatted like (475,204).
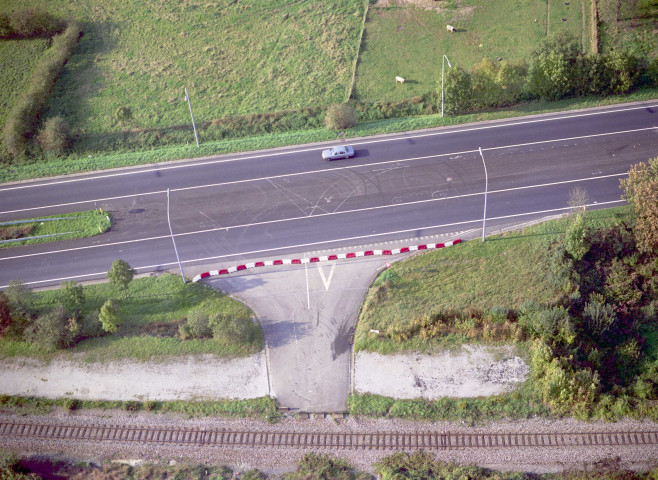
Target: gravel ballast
(277,460)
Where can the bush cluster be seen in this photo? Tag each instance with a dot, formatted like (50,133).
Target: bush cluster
(557,70)
(21,122)
(589,354)
(58,328)
(206,322)
(30,22)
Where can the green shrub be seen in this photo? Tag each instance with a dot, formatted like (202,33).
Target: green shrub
(458,91)
(123,114)
(341,116)
(5,314)
(120,275)
(72,297)
(230,329)
(71,404)
(51,329)
(600,317)
(55,136)
(575,238)
(132,405)
(197,325)
(622,283)
(109,317)
(316,466)
(90,325)
(30,22)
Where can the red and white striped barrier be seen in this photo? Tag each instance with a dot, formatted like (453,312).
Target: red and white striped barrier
(324,258)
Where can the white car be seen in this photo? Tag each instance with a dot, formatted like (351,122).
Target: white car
(335,153)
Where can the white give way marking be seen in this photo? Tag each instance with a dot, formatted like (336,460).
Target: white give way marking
(326,281)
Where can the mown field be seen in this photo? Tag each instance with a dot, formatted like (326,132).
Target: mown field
(234,57)
(410,42)
(17,59)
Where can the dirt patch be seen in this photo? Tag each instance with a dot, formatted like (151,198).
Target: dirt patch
(190,378)
(472,371)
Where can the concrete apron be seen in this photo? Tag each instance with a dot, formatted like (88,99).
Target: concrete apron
(308,314)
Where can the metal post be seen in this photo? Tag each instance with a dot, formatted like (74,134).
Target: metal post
(442,72)
(187,99)
(486,189)
(173,240)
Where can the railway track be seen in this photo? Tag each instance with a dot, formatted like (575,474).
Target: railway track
(369,441)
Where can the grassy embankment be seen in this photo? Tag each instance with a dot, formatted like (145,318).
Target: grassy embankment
(152,312)
(264,407)
(472,288)
(66,226)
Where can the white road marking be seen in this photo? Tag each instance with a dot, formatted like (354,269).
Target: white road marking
(312,244)
(327,281)
(290,219)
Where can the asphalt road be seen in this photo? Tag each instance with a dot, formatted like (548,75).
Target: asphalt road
(265,204)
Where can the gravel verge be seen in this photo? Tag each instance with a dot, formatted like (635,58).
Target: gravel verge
(471,371)
(187,378)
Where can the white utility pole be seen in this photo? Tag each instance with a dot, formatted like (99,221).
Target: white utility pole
(486,189)
(443,62)
(187,99)
(173,240)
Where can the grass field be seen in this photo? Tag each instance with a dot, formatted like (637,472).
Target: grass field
(17,59)
(504,271)
(411,42)
(234,57)
(152,312)
(633,27)
(61,227)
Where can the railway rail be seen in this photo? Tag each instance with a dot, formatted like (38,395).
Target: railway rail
(369,441)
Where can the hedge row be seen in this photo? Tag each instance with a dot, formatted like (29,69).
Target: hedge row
(30,22)
(21,121)
(557,70)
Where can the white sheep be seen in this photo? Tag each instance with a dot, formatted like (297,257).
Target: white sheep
(450,28)
(399,79)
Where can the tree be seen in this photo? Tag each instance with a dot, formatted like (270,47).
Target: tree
(109,317)
(120,275)
(21,298)
(554,69)
(458,91)
(623,71)
(575,239)
(72,296)
(578,199)
(341,116)
(641,191)
(55,136)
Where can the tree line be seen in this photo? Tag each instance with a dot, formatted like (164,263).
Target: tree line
(558,69)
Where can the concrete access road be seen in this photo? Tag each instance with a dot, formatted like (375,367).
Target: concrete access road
(264,204)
